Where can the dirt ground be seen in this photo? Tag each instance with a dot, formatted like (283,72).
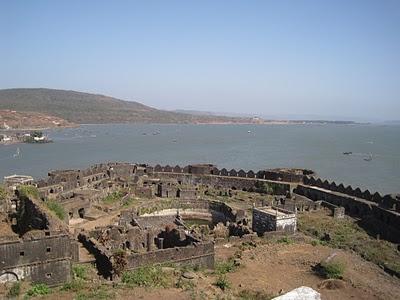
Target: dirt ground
(280,267)
(275,268)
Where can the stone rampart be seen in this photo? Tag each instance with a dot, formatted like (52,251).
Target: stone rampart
(390,202)
(382,221)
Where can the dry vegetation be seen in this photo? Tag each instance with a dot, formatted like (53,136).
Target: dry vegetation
(346,234)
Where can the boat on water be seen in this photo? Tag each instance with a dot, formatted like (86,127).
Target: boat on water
(348,153)
(369,158)
(17,153)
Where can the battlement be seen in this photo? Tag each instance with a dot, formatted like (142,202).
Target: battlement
(389,202)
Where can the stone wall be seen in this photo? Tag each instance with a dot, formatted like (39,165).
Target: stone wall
(338,212)
(377,219)
(201,254)
(44,260)
(390,202)
(226,182)
(42,251)
(264,221)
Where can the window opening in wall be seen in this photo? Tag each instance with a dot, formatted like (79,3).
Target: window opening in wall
(48,275)
(22,253)
(48,249)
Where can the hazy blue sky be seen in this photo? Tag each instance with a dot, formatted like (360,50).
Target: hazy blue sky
(329,58)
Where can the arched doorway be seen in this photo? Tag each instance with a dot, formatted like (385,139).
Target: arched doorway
(8,277)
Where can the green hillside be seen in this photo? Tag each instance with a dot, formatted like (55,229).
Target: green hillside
(87,108)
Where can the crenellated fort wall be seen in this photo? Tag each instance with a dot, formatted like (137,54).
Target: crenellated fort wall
(380,213)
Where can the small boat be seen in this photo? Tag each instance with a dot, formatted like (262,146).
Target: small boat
(369,158)
(248,131)
(17,153)
(348,153)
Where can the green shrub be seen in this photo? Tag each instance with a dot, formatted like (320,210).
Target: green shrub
(223,267)
(79,272)
(151,276)
(285,240)
(223,283)
(3,193)
(332,269)
(113,197)
(28,191)
(15,290)
(56,208)
(74,285)
(39,289)
(315,243)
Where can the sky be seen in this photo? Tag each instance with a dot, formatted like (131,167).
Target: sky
(315,58)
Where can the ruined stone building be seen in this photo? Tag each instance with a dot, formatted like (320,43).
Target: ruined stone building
(34,245)
(138,242)
(267,219)
(38,247)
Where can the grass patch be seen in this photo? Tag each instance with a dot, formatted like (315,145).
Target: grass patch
(186,285)
(28,191)
(151,276)
(3,193)
(128,202)
(114,197)
(224,267)
(79,272)
(332,269)
(56,208)
(222,282)
(74,285)
(285,240)
(346,234)
(40,289)
(99,292)
(15,290)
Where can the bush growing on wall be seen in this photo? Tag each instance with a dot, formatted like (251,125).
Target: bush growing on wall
(56,208)
(28,191)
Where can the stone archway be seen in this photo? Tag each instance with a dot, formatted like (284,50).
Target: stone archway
(8,277)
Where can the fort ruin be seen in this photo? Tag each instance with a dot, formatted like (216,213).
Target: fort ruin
(122,216)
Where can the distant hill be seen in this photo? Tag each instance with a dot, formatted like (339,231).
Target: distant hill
(84,108)
(11,119)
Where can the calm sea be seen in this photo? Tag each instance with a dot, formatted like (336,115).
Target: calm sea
(231,146)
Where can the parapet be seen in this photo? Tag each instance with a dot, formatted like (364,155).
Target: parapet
(201,169)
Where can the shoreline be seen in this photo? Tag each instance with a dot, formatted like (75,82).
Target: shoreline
(231,123)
